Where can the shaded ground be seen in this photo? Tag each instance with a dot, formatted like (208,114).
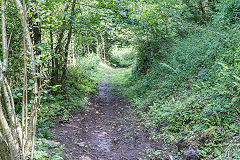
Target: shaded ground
(108,131)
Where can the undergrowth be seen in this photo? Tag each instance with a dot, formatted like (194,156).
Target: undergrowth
(83,79)
(193,88)
(122,56)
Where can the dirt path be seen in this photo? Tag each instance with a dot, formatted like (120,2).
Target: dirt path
(108,131)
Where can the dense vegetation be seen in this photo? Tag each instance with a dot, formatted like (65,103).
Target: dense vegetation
(188,87)
(178,64)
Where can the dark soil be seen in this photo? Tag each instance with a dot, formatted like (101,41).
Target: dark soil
(109,130)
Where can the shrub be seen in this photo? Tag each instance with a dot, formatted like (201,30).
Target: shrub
(194,87)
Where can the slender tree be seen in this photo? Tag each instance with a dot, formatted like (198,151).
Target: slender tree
(17,138)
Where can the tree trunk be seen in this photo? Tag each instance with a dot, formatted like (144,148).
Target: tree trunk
(103,48)
(52,54)
(58,48)
(9,129)
(64,74)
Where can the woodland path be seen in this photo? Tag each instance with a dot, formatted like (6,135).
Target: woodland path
(109,130)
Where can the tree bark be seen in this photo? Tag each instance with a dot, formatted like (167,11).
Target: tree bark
(64,74)
(29,50)
(103,48)
(4,148)
(4,35)
(53,59)
(13,138)
(8,128)
(58,48)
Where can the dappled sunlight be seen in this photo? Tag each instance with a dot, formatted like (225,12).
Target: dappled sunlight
(104,65)
(120,80)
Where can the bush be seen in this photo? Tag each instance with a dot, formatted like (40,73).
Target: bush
(81,73)
(194,87)
(46,149)
(57,108)
(229,12)
(122,57)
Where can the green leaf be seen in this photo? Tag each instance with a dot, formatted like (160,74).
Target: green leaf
(238,78)
(37,20)
(31,81)
(44,69)
(55,88)
(39,62)
(41,1)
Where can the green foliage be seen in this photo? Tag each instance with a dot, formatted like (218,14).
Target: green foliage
(193,87)
(229,12)
(199,11)
(57,109)
(120,76)
(82,73)
(46,149)
(122,57)
(185,74)
(80,84)
(148,50)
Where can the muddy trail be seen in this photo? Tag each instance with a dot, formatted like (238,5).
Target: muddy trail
(109,130)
